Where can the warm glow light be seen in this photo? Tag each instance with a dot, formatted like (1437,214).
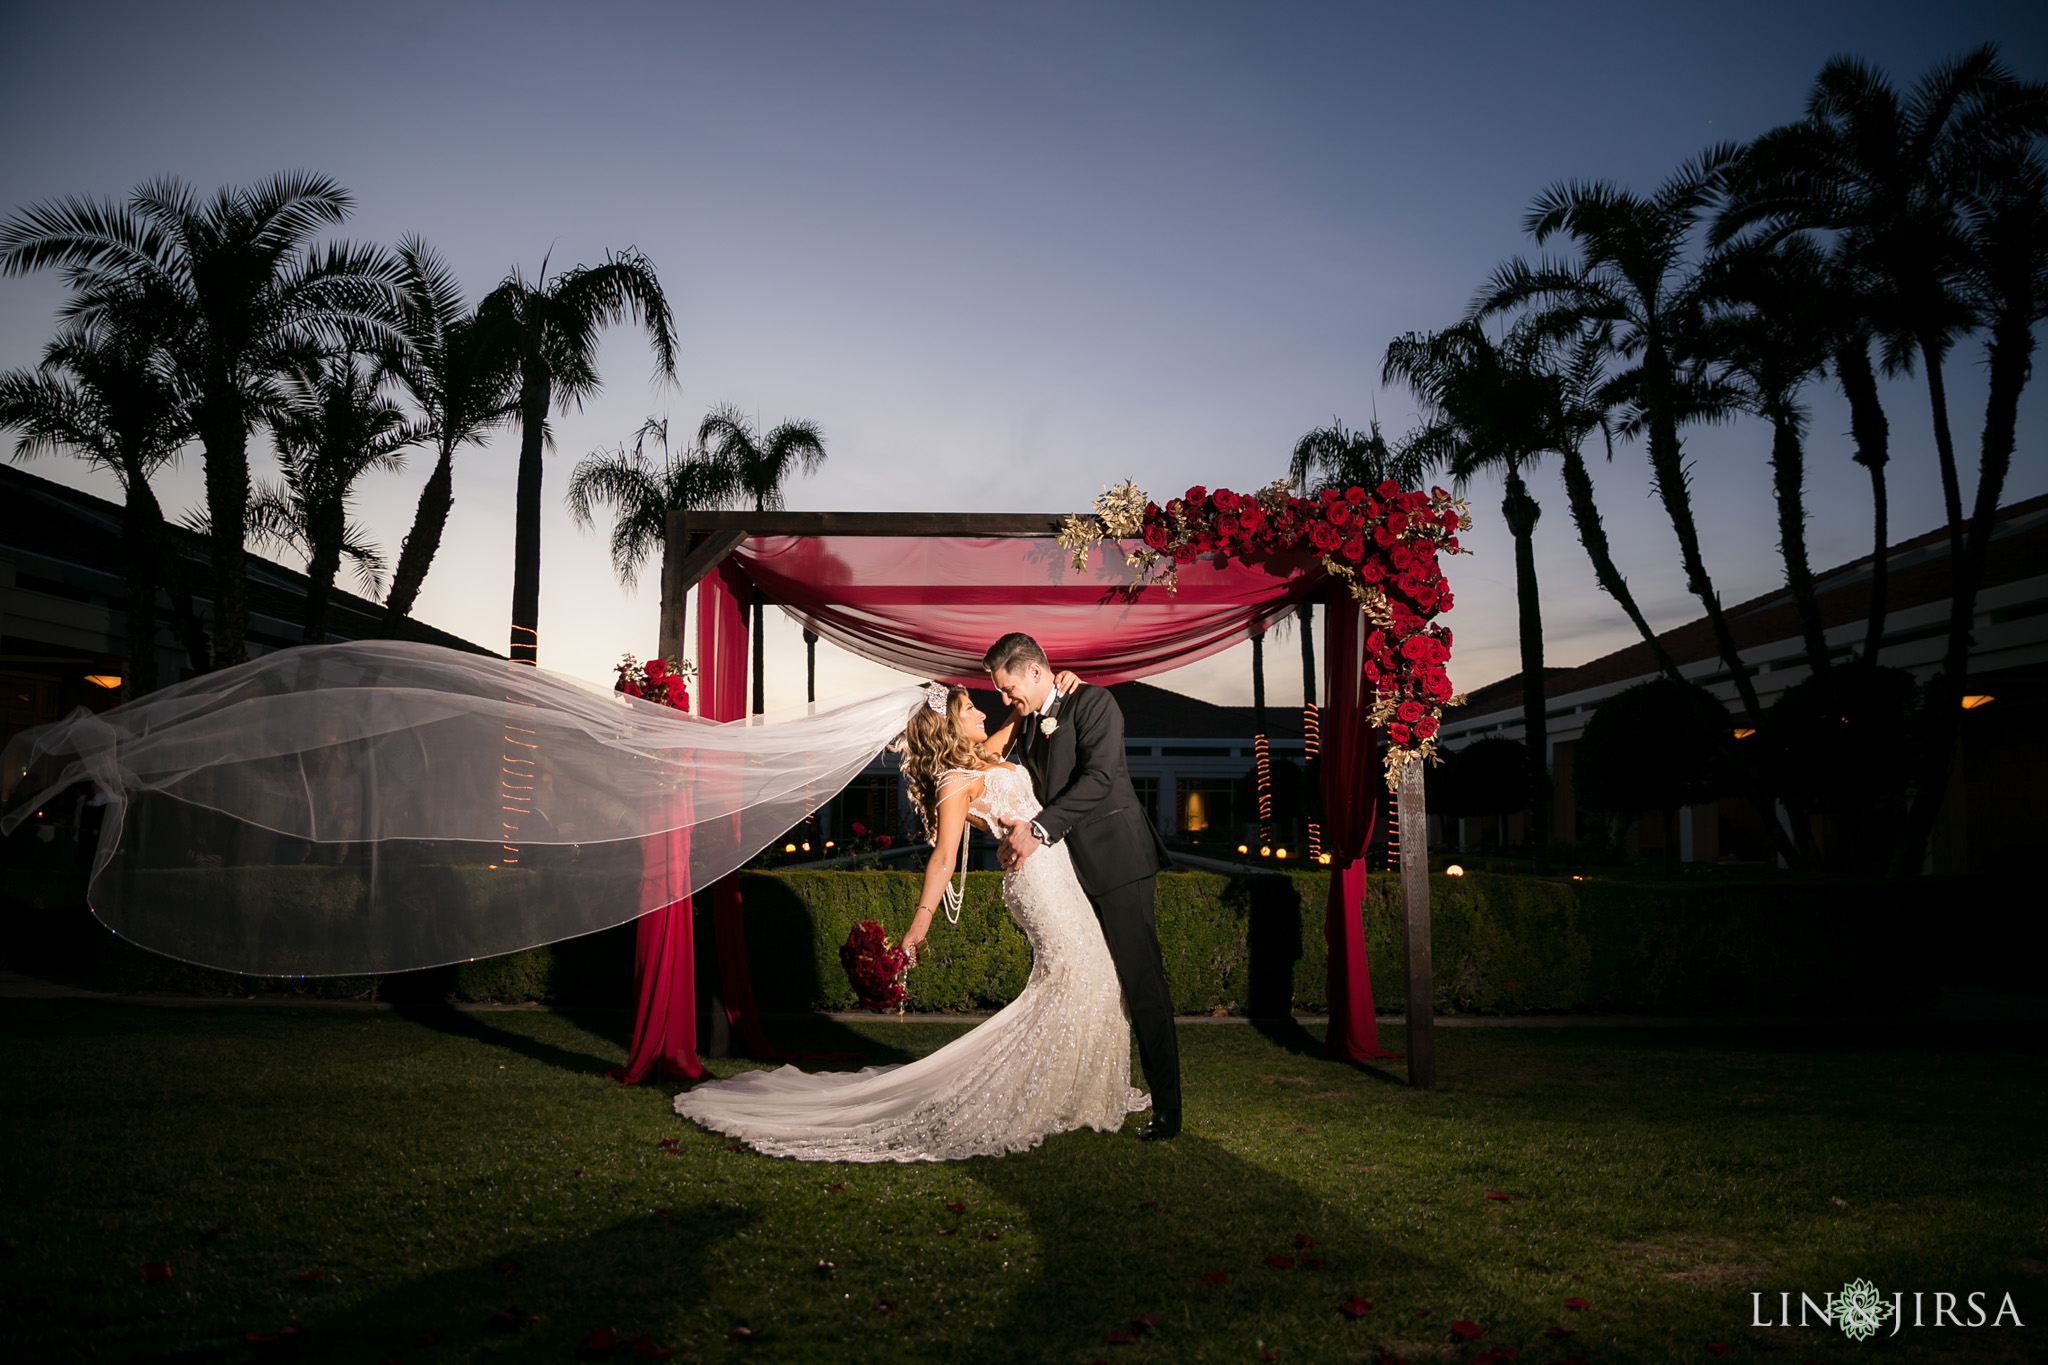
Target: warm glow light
(830,844)
(1577,878)
(807,846)
(1241,848)
(1322,857)
(1744,731)
(1279,853)
(789,848)
(1970,703)
(113,680)
(494,867)
(1454,871)
(1265,852)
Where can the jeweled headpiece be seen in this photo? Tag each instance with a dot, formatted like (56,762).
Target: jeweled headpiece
(935,695)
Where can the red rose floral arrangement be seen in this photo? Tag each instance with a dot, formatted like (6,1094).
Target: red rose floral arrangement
(874,966)
(1386,545)
(662,681)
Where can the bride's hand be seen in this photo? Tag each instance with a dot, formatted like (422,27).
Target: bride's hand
(912,941)
(1065,681)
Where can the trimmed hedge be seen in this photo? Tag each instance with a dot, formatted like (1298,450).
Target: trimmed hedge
(1253,944)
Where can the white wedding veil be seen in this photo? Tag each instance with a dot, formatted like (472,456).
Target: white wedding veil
(385,806)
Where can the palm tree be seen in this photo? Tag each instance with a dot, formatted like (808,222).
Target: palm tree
(1634,292)
(1488,407)
(1581,408)
(333,425)
(1770,330)
(105,393)
(1337,457)
(643,494)
(458,369)
(761,464)
(239,294)
(552,326)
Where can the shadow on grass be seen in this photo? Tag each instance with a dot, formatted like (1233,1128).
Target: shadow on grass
(475,1028)
(641,1275)
(1289,1034)
(816,1033)
(1127,1229)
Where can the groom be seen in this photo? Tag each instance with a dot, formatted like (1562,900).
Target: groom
(1072,745)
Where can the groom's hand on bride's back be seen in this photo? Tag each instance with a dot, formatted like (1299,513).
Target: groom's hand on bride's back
(1020,843)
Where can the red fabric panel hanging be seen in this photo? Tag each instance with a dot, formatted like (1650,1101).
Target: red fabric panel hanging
(1351,783)
(664,972)
(722,664)
(931,606)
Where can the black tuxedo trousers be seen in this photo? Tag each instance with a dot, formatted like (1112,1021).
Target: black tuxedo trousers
(1079,774)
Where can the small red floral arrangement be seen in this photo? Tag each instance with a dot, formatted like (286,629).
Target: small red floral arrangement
(1385,545)
(663,681)
(874,966)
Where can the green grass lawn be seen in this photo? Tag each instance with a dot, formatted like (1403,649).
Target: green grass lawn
(386,1182)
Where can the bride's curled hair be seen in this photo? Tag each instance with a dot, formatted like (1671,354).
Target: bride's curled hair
(933,744)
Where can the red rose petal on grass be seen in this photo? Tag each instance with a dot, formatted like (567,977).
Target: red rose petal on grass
(577,1174)
(1559,1333)
(306,1277)
(1576,1303)
(1719,1348)
(1148,1204)
(1302,1239)
(1121,1337)
(1422,1312)
(1354,1307)
(671,1144)
(885,1305)
(1269,1355)
(1216,1279)
(599,1343)
(1501,1197)
(1464,1329)
(260,1338)
(661,1213)
(834,1189)
(156,1272)
(742,1334)
(990,1236)
(947,1232)
(957,1208)
(504,1267)
(1280,1262)
(736,1146)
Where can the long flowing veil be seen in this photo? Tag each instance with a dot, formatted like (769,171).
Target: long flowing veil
(385,806)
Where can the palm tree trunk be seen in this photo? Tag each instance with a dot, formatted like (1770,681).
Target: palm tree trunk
(1521,512)
(760,661)
(422,542)
(1578,487)
(1872,434)
(140,516)
(2010,355)
(177,579)
(1262,762)
(1311,722)
(533,416)
(1788,486)
(321,567)
(225,439)
(1667,467)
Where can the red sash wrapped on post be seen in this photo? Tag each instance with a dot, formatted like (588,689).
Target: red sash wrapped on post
(1351,777)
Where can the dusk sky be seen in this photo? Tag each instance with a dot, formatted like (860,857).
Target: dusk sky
(1001,256)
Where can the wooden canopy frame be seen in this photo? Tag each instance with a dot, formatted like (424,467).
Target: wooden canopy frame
(697,542)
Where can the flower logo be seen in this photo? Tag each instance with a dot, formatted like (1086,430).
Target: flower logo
(1860,1310)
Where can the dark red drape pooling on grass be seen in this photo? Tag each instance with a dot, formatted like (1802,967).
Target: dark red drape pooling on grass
(930,606)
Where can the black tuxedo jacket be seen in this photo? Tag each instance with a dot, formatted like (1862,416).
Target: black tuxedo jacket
(1079,774)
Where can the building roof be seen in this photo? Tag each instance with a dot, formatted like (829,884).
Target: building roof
(1919,573)
(82,533)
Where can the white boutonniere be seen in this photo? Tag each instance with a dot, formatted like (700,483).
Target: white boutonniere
(1046,725)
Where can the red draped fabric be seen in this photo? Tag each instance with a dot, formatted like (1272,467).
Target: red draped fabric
(931,606)
(1351,777)
(664,971)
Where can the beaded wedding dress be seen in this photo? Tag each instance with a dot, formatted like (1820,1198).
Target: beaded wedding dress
(1056,1058)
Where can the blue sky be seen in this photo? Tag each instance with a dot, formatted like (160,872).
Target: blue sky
(1001,256)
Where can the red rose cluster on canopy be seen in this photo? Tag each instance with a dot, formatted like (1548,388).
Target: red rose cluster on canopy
(1386,545)
(663,681)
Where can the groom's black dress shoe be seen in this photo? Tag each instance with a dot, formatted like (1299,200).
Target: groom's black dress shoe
(1160,1129)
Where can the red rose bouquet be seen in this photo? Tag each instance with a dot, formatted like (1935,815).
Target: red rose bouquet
(874,966)
(665,682)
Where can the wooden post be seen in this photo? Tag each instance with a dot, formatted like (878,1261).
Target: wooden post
(1413,818)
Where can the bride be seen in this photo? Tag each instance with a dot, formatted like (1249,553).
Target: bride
(1056,1058)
